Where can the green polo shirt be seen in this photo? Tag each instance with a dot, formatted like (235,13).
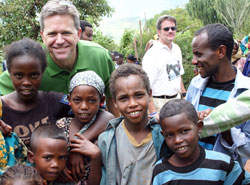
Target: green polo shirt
(91,56)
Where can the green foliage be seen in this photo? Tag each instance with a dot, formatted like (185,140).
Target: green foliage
(126,43)
(20,18)
(105,41)
(203,10)
(233,14)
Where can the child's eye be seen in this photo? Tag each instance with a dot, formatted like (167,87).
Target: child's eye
(35,75)
(47,157)
(92,100)
(76,100)
(185,131)
(168,135)
(18,75)
(122,99)
(63,157)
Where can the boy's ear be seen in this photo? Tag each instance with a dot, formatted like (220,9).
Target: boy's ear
(31,156)
(200,126)
(68,98)
(114,101)
(102,100)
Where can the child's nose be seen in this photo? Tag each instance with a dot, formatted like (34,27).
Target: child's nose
(54,164)
(178,139)
(84,105)
(132,102)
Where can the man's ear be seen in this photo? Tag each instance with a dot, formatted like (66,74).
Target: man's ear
(79,32)
(42,35)
(31,157)
(221,51)
(150,93)
(200,126)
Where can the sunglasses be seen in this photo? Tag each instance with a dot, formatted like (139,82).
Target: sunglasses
(168,28)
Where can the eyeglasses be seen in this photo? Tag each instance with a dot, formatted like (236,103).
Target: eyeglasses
(168,28)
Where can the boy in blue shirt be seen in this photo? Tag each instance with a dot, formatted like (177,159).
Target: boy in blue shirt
(190,163)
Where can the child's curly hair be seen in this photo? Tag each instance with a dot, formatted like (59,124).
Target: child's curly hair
(21,172)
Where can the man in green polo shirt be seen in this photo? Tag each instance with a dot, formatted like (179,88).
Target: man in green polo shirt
(67,55)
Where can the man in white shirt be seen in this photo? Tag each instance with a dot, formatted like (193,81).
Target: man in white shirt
(163,64)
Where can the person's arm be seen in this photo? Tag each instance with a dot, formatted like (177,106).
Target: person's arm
(83,146)
(92,133)
(98,126)
(111,107)
(183,90)
(233,112)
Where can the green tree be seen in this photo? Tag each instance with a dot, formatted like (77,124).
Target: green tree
(105,41)
(19,18)
(126,43)
(233,14)
(203,10)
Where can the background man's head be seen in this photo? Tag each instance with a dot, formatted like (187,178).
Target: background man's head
(212,49)
(87,30)
(60,30)
(166,29)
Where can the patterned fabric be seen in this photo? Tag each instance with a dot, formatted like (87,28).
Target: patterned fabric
(87,78)
(64,123)
(12,151)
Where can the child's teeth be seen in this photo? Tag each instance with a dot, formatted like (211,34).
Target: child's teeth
(134,113)
(182,148)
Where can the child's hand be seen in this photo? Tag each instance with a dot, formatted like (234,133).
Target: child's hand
(76,161)
(84,147)
(156,115)
(65,176)
(203,114)
(6,129)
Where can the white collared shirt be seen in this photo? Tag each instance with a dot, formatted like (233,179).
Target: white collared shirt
(164,68)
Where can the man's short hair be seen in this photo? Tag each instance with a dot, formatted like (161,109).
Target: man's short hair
(126,70)
(59,7)
(178,106)
(84,24)
(163,18)
(218,35)
(46,131)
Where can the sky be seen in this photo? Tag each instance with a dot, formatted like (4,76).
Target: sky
(137,10)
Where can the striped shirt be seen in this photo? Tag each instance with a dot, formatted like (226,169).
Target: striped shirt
(215,94)
(211,168)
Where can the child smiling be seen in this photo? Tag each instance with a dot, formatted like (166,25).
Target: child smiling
(131,144)
(190,163)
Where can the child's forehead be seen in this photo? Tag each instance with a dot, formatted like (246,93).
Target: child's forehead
(130,78)
(178,118)
(45,141)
